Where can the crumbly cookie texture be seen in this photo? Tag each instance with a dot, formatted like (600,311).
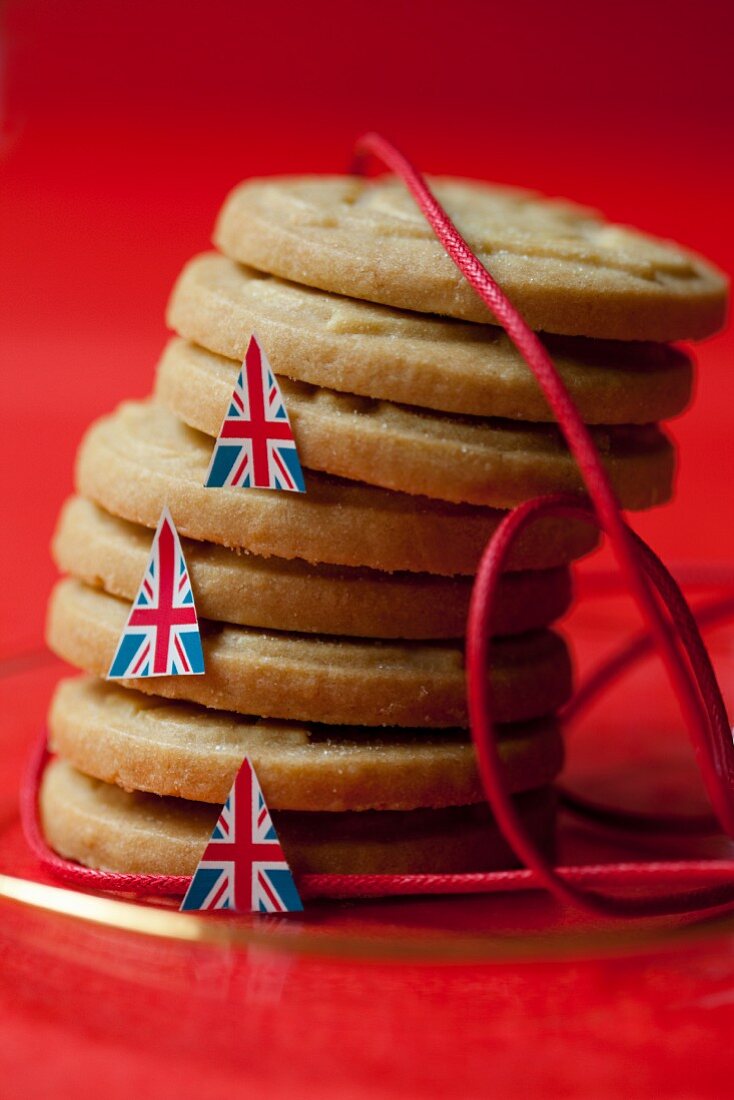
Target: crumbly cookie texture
(336,681)
(102,826)
(177,749)
(374,351)
(563,266)
(107,552)
(498,463)
(141,457)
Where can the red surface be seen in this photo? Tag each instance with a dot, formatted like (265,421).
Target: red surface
(123,128)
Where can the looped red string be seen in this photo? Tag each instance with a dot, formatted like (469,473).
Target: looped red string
(672,629)
(708,872)
(693,680)
(480,709)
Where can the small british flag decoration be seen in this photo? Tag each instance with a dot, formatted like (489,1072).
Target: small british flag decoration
(255,448)
(243,867)
(161,636)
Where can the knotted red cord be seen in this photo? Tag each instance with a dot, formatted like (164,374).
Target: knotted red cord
(695,683)
(677,638)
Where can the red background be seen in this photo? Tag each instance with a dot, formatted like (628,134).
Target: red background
(121,128)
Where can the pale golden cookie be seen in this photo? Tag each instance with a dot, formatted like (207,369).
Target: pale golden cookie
(339,681)
(565,268)
(143,743)
(108,552)
(105,827)
(498,463)
(141,457)
(358,347)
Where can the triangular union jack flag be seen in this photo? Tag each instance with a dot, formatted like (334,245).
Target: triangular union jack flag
(255,448)
(243,867)
(161,637)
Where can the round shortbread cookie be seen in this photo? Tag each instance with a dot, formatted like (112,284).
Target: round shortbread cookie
(102,826)
(141,457)
(337,681)
(358,347)
(498,463)
(143,743)
(111,553)
(565,268)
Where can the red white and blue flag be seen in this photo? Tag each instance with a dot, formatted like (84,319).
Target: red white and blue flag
(255,448)
(161,637)
(243,867)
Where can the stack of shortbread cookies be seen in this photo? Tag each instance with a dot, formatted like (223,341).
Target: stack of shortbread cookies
(332,622)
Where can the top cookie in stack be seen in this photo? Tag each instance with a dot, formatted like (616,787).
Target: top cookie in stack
(332,645)
(563,266)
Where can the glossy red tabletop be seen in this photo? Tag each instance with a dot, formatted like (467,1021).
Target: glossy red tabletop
(122,130)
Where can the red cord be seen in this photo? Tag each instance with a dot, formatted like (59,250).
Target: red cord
(478,641)
(675,635)
(705,872)
(695,684)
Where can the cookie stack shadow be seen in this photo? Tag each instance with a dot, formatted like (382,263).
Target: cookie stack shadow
(332,622)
